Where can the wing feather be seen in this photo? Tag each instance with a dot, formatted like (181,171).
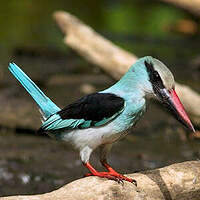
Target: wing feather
(90,111)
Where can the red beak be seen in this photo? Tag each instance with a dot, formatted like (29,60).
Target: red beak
(171,100)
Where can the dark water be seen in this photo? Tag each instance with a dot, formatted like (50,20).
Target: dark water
(30,163)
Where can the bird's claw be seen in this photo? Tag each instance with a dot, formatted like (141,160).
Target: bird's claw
(88,174)
(120,181)
(134,182)
(115,177)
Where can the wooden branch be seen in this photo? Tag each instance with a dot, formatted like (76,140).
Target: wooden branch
(175,182)
(111,58)
(193,6)
(93,46)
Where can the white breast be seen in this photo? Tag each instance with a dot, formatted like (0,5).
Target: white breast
(92,137)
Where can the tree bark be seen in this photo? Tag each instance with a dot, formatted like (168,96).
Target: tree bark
(175,182)
(193,6)
(111,58)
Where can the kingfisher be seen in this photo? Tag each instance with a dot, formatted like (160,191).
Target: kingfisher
(102,118)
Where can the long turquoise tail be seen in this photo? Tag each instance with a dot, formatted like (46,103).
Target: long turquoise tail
(47,107)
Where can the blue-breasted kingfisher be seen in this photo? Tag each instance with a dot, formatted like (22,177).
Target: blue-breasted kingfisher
(102,118)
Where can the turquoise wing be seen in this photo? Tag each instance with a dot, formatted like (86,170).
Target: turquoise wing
(55,122)
(90,111)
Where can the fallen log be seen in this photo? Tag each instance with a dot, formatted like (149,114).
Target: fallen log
(193,6)
(111,58)
(175,182)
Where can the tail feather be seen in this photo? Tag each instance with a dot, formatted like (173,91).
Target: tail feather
(46,106)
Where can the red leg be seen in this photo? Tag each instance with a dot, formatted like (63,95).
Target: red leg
(111,170)
(111,174)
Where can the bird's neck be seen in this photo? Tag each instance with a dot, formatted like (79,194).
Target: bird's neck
(134,84)
(127,87)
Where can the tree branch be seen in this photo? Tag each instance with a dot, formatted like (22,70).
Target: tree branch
(178,182)
(111,58)
(193,6)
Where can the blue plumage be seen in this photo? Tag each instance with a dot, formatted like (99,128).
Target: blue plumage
(45,104)
(50,110)
(100,119)
(55,122)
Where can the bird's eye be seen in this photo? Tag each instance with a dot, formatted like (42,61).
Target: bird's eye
(156,75)
(157,79)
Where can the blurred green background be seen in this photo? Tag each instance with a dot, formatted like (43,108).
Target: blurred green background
(30,163)
(29,24)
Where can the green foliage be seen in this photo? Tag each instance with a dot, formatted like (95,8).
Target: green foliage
(137,17)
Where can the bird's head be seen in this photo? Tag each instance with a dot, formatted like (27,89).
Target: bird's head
(158,82)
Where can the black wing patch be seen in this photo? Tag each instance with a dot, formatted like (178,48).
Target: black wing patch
(95,107)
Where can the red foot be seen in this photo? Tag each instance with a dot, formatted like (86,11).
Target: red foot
(111,174)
